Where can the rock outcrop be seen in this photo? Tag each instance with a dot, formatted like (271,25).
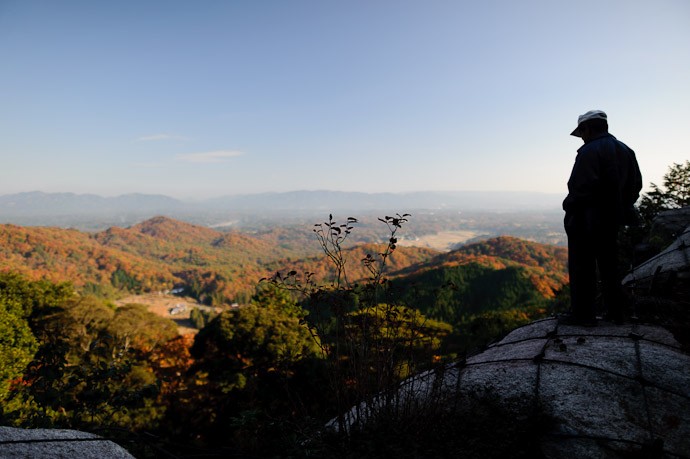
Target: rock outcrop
(608,390)
(57,443)
(665,270)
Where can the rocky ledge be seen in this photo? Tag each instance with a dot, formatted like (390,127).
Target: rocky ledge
(57,443)
(609,391)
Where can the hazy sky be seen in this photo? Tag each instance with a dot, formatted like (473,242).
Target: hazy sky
(207,98)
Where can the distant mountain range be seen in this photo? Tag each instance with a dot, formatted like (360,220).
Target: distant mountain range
(353,201)
(36,203)
(51,204)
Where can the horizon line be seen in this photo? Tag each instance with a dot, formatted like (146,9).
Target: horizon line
(301,190)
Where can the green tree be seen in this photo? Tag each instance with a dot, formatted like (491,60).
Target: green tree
(32,298)
(94,391)
(121,279)
(252,365)
(17,346)
(133,325)
(92,366)
(639,243)
(201,318)
(674,193)
(251,341)
(270,296)
(79,322)
(197,318)
(399,329)
(22,302)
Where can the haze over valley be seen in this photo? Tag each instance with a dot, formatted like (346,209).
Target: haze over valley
(441,220)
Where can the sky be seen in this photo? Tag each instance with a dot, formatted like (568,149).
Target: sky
(212,98)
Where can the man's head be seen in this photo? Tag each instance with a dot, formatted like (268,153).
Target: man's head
(590,125)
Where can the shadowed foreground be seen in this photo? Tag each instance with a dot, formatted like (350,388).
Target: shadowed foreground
(607,391)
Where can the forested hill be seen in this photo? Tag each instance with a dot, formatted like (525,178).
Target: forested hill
(500,274)
(221,267)
(161,253)
(546,265)
(512,248)
(172,241)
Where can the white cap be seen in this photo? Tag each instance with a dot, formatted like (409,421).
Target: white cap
(590,115)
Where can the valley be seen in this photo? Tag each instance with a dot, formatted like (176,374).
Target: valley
(216,269)
(168,324)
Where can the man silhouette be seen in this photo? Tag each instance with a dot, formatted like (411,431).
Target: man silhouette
(602,190)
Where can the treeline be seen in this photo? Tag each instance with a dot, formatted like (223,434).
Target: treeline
(200,318)
(214,267)
(222,268)
(74,361)
(69,361)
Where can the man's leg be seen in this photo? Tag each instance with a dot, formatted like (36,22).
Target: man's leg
(583,278)
(607,261)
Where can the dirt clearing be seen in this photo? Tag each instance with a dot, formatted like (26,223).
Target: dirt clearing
(173,307)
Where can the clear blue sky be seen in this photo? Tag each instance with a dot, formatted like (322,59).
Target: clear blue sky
(208,98)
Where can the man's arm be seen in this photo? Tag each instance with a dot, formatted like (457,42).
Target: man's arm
(584,180)
(638,177)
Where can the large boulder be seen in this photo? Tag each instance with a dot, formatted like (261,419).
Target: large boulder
(609,391)
(57,443)
(669,224)
(665,270)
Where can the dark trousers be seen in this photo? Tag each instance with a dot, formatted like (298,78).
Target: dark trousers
(589,249)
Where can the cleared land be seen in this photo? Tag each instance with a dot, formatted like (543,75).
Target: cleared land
(444,240)
(161,304)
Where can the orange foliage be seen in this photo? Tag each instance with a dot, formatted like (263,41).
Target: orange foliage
(171,361)
(160,253)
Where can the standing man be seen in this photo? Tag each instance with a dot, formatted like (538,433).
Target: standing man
(602,190)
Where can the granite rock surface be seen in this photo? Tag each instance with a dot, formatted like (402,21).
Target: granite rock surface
(57,443)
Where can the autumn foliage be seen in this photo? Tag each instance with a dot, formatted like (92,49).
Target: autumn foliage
(258,376)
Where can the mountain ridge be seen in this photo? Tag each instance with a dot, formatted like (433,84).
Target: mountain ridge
(37,202)
(29,203)
(546,265)
(161,253)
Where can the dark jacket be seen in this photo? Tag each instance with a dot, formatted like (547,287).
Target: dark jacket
(603,186)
